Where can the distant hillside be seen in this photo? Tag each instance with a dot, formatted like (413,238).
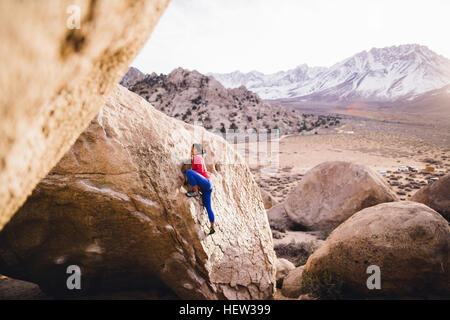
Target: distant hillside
(192,96)
(435,102)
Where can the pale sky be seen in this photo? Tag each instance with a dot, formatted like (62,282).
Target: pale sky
(274,35)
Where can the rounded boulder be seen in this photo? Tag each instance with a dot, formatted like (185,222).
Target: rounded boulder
(332,192)
(404,244)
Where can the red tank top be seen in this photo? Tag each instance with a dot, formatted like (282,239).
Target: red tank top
(199,166)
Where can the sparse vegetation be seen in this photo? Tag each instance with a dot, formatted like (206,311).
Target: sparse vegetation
(197,100)
(296,252)
(325,285)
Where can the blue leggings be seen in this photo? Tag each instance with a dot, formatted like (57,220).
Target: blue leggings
(205,186)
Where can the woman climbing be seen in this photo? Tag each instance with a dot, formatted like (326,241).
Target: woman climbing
(199,179)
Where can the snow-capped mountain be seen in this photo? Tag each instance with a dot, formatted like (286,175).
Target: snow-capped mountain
(387,74)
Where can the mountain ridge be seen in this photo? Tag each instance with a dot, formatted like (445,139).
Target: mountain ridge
(196,98)
(379,74)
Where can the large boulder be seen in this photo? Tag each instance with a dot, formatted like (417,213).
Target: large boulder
(333,191)
(408,241)
(436,196)
(115,206)
(54,79)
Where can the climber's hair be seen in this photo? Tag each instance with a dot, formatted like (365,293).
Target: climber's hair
(198,148)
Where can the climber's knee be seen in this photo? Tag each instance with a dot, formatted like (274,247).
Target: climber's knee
(191,177)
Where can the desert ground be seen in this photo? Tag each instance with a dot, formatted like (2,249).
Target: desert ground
(382,143)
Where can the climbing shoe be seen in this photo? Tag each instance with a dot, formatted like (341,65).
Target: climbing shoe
(212,231)
(191,194)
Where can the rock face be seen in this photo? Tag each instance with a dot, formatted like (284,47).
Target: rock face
(408,241)
(333,191)
(55,79)
(436,196)
(291,283)
(115,206)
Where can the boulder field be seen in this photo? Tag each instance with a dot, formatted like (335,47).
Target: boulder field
(115,206)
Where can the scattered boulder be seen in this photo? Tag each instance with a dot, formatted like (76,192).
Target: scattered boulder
(436,195)
(55,79)
(333,191)
(283,268)
(116,207)
(408,241)
(292,282)
(268,200)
